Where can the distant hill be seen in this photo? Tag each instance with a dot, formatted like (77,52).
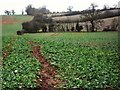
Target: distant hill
(75,16)
(58,14)
(10,19)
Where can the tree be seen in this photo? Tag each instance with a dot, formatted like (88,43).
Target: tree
(33,11)
(70,8)
(22,12)
(78,27)
(119,24)
(91,15)
(7,12)
(39,22)
(43,10)
(86,26)
(99,24)
(114,24)
(105,7)
(13,12)
(30,10)
(115,6)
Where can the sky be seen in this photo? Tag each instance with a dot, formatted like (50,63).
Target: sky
(52,5)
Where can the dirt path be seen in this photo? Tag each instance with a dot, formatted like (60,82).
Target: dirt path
(48,72)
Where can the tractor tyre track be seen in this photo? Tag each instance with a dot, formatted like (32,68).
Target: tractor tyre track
(48,81)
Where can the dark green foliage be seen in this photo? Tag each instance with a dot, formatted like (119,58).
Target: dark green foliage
(87,60)
(30,10)
(13,12)
(33,11)
(72,29)
(7,12)
(78,28)
(39,22)
(31,27)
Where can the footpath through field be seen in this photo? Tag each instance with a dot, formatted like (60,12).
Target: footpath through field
(48,80)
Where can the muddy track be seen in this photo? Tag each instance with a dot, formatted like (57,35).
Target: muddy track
(47,80)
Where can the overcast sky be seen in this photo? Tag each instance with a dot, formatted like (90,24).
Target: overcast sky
(53,5)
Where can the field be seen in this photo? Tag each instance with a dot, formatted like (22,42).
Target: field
(59,60)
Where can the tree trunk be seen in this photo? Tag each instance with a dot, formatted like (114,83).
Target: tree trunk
(93,27)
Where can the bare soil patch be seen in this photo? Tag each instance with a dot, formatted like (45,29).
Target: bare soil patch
(48,81)
(8,20)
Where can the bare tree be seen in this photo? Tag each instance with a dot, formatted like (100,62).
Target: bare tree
(91,15)
(119,24)
(87,26)
(39,22)
(34,11)
(13,12)
(22,12)
(7,12)
(105,7)
(70,8)
(99,24)
(114,24)
(43,10)
(115,6)
(30,10)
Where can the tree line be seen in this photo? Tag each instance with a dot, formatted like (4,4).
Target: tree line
(47,24)
(12,12)
(41,21)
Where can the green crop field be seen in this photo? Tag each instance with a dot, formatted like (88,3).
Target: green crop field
(87,60)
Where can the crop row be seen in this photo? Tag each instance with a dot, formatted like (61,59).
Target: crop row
(20,68)
(6,42)
(81,64)
(85,61)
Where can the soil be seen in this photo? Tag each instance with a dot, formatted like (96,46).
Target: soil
(48,81)
(8,20)
(5,54)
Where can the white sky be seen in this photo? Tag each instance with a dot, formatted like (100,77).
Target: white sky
(52,5)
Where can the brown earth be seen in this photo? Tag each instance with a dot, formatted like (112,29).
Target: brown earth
(8,20)
(48,81)
(11,20)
